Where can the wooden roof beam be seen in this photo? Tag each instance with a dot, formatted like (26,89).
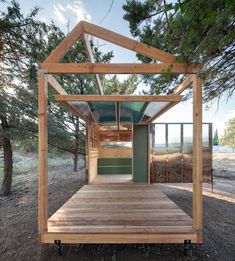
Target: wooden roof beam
(59,89)
(92,60)
(128,43)
(184,85)
(165,109)
(119,68)
(119,98)
(56,85)
(58,53)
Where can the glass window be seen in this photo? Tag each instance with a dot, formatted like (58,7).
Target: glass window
(174,135)
(160,134)
(188,135)
(205,135)
(117,144)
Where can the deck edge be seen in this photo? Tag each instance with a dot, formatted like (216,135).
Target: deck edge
(83,238)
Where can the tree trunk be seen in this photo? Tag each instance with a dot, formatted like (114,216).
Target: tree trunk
(75,162)
(76,152)
(8,162)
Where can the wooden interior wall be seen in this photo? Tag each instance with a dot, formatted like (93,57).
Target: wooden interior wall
(93,153)
(115,153)
(93,157)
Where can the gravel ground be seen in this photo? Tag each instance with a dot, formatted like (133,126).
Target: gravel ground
(18,219)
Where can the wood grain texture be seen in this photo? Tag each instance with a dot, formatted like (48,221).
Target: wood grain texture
(128,43)
(119,68)
(58,53)
(116,213)
(42,154)
(115,153)
(197,153)
(93,155)
(120,98)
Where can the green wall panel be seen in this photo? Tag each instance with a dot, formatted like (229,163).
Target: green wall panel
(114,161)
(109,166)
(114,170)
(140,153)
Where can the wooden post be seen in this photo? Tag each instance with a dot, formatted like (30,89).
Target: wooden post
(87,155)
(43,161)
(148,151)
(88,138)
(197,153)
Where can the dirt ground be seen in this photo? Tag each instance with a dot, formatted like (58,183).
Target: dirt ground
(18,221)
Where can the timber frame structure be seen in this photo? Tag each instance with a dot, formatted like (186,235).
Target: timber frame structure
(52,66)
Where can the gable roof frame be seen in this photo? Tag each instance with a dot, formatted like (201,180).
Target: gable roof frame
(167,60)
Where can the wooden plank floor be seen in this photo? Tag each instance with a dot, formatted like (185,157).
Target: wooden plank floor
(121,209)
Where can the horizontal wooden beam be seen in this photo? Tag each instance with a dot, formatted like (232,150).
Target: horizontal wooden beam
(120,98)
(184,85)
(119,68)
(128,43)
(103,238)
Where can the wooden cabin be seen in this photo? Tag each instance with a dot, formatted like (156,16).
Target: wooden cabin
(119,204)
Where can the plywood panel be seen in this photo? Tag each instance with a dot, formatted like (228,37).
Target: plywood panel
(93,156)
(116,153)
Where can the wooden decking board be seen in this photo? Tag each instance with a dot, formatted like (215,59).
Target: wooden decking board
(116,211)
(125,229)
(120,209)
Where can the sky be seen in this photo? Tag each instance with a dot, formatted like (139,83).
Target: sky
(109,14)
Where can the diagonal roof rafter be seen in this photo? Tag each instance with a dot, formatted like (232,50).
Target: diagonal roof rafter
(166,62)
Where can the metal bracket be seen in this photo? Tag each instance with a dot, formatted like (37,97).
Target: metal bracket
(42,71)
(199,230)
(58,243)
(187,244)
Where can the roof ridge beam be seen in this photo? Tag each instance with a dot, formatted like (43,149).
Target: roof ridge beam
(128,43)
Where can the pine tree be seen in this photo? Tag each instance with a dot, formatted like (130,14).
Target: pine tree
(195,31)
(216,138)
(228,139)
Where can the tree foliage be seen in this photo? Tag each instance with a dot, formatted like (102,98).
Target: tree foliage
(228,139)
(114,86)
(25,42)
(195,31)
(216,138)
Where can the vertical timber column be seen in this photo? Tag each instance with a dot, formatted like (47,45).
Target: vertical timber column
(43,160)
(86,156)
(197,154)
(88,152)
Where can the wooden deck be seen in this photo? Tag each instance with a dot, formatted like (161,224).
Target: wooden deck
(127,213)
